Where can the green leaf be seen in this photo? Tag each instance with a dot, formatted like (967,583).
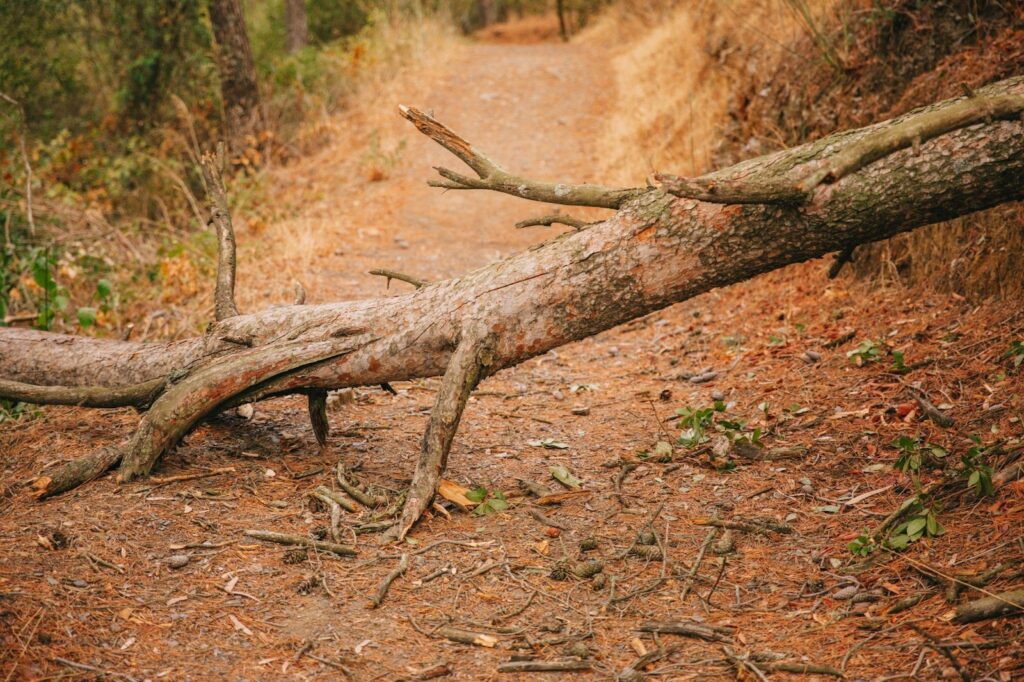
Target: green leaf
(899,541)
(477,494)
(932,525)
(86,317)
(565,477)
(104,289)
(916,526)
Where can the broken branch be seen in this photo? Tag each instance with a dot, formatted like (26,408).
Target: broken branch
(491,176)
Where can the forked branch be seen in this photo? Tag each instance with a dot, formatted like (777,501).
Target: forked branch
(493,177)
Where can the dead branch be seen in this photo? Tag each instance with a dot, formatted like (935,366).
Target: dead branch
(456,634)
(794,180)
(553,219)
(842,258)
(335,498)
(317,408)
(692,573)
(491,176)
(686,628)
(136,395)
(220,216)
(385,585)
(761,526)
(571,665)
(299,541)
(401,277)
(76,472)
(467,366)
(936,644)
(995,606)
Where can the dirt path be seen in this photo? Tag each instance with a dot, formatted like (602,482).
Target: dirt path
(532,108)
(87,577)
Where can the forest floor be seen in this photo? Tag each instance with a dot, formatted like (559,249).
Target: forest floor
(87,579)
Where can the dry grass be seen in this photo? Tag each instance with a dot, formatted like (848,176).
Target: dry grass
(705,84)
(678,70)
(292,220)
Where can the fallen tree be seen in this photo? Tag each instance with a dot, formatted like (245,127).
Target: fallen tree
(663,245)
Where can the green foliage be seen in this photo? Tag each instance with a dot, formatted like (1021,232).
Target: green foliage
(488,501)
(867,352)
(913,453)
(977,472)
(922,523)
(862,545)
(1016,353)
(695,423)
(898,362)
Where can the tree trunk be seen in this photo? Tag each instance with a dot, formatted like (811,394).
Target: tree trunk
(296,28)
(243,112)
(944,161)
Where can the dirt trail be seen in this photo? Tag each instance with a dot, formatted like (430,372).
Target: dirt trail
(532,109)
(86,576)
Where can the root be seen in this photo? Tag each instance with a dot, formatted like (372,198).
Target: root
(466,368)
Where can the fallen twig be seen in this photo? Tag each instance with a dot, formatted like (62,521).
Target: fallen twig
(936,644)
(687,628)
(543,666)
(752,526)
(692,573)
(385,585)
(91,668)
(456,634)
(549,220)
(298,540)
(995,606)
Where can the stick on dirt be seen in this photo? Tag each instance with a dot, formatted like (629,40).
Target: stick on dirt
(385,585)
(299,541)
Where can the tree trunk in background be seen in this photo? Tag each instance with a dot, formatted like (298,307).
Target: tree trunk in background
(295,24)
(562,29)
(243,113)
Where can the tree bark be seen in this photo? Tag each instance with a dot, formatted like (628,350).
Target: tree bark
(296,27)
(243,112)
(656,250)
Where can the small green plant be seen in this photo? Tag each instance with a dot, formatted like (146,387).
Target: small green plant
(867,351)
(736,431)
(695,423)
(862,545)
(1016,353)
(976,471)
(488,501)
(923,523)
(898,363)
(913,453)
